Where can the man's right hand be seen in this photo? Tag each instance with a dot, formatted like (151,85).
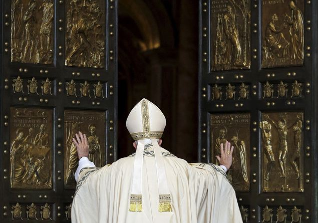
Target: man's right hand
(226,155)
(81,144)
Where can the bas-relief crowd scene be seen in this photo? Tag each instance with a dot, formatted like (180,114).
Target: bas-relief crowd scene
(32,32)
(31,148)
(282,34)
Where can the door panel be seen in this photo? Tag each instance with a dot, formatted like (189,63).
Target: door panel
(255,90)
(59,76)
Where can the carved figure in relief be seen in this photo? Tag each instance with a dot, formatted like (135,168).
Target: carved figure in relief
(68,212)
(282,89)
(46,31)
(94,146)
(17,157)
(16,28)
(46,87)
(268,90)
(16,212)
(243,91)
(216,92)
(267,214)
(17,85)
(275,43)
(232,34)
(221,59)
(33,86)
(42,138)
(71,88)
(73,158)
(281,214)
(296,31)
(85,91)
(33,168)
(296,215)
(268,149)
(295,159)
(230,92)
(296,89)
(282,130)
(221,139)
(239,147)
(31,212)
(98,91)
(244,213)
(46,212)
(29,139)
(85,41)
(30,53)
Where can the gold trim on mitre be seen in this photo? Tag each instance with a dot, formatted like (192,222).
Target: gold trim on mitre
(142,135)
(145,116)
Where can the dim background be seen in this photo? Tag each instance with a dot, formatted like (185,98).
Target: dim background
(158,60)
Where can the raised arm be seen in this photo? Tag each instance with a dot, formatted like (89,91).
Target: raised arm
(80,141)
(225,159)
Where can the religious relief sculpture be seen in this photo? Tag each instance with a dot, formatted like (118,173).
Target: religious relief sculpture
(282,139)
(71,88)
(68,212)
(216,92)
(32,31)
(33,86)
(296,215)
(267,215)
(230,91)
(98,90)
(282,33)
(234,128)
(85,33)
(30,148)
(31,212)
(243,93)
(268,90)
(46,87)
(85,90)
(244,213)
(281,214)
(17,85)
(231,37)
(91,123)
(282,90)
(46,212)
(16,212)
(296,89)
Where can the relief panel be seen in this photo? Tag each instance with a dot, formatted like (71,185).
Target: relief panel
(282,145)
(230,39)
(234,128)
(32,31)
(85,33)
(30,148)
(282,33)
(91,123)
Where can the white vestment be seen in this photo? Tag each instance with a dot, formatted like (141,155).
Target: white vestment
(200,193)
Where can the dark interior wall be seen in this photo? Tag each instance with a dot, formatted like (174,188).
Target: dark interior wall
(158,60)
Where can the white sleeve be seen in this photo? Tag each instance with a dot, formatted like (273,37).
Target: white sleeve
(83,162)
(224,168)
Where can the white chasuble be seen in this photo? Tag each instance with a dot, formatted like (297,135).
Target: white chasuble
(200,193)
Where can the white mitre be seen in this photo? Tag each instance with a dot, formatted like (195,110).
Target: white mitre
(146,124)
(146,121)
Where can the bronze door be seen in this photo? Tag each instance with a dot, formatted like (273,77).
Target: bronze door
(59,76)
(256,91)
